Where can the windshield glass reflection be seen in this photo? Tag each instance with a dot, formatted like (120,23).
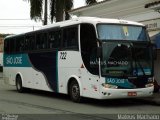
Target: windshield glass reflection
(125,59)
(121,32)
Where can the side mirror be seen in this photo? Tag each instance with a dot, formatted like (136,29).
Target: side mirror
(154,47)
(155,54)
(99,52)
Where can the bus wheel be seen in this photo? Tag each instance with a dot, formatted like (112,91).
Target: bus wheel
(19,86)
(74,91)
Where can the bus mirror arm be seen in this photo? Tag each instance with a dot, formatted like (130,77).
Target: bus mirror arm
(155,54)
(99,52)
(154,47)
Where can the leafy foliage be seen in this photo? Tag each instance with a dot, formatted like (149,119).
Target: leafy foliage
(36,9)
(57,9)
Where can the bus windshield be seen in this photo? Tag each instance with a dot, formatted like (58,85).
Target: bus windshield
(125,59)
(121,32)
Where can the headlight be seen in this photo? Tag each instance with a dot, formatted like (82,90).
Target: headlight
(109,86)
(151,80)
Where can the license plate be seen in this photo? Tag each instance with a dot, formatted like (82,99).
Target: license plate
(132,93)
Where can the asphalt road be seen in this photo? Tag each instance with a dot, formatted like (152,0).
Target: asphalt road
(40,105)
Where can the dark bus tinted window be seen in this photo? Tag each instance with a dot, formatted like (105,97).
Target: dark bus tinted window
(6,46)
(54,38)
(19,44)
(70,37)
(30,42)
(9,45)
(41,41)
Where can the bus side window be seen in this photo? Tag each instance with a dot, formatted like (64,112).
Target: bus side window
(41,41)
(6,46)
(26,44)
(30,42)
(44,40)
(12,45)
(54,39)
(51,40)
(38,41)
(70,37)
(22,45)
(18,44)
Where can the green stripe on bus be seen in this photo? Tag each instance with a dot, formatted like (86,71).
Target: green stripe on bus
(16,60)
(57,72)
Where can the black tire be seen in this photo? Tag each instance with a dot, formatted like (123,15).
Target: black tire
(19,86)
(74,91)
(156,87)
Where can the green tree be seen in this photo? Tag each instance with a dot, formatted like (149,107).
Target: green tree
(58,9)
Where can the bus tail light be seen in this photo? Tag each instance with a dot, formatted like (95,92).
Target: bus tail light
(109,86)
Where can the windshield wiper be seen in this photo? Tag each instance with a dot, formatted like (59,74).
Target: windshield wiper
(141,67)
(137,62)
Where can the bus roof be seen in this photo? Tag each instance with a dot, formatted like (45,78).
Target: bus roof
(92,20)
(78,20)
(15,35)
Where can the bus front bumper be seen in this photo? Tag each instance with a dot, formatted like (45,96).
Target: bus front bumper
(107,93)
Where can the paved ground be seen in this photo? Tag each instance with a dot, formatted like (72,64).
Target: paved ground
(39,105)
(155,99)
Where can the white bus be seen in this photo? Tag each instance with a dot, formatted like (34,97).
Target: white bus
(83,57)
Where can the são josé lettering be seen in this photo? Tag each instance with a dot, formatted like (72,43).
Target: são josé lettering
(115,80)
(13,60)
